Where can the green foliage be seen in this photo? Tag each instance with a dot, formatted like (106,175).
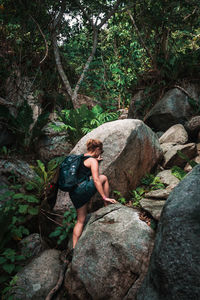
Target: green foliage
(178,172)
(16,207)
(64,231)
(82,120)
(44,176)
(120,199)
(148,183)
(153,182)
(8,292)
(137,196)
(20,125)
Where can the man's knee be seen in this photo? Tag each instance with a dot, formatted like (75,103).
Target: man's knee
(103,178)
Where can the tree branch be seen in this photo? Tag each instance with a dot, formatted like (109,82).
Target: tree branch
(140,37)
(74,96)
(58,19)
(60,67)
(106,18)
(46,44)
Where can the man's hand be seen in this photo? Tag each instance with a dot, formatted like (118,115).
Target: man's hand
(110,200)
(99,158)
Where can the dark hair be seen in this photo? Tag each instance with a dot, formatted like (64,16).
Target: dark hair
(93,144)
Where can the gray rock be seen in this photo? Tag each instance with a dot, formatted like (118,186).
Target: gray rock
(111,256)
(171,157)
(173,108)
(18,167)
(167,146)
(136,104)
(32,245)
(50,147)
(49,131)
(154,207)
(131,149)
(38,277)
(174,266)
(168,178)
(193,125)
(175,134)
(158,194)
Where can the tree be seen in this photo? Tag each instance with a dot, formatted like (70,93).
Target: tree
(87,14)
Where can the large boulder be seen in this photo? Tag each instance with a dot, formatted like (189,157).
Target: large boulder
(131,149)
(168,178)
(53,144)
(193,126)
(174,267)
(111,257)
(173,108)
(172,156)
(175,134)
(38,277)
(153,206)
(136,107)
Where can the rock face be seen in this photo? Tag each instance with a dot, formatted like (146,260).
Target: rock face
(175,134)
(111,256)
(154,207)
(174,267)
(172,158)
(53,144)
(138,98)
(193,126)
(168,178)
(18,167)
(38,277)
(173,108)
(131,149)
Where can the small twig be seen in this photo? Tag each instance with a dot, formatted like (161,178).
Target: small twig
(51,219)
(183,90)
(52,213)
(190,14)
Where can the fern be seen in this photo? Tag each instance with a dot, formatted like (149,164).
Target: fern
(80,121)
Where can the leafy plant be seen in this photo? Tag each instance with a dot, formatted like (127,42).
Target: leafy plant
(8,292)
(153,182)
(80,121)
(137,196)
(44,176)
(62,232)
(178,172)
(20,125)
(16,207)
(121,199)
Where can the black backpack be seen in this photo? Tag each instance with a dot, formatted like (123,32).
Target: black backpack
(68,178)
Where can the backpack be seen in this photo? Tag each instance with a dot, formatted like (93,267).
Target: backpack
(68,178)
